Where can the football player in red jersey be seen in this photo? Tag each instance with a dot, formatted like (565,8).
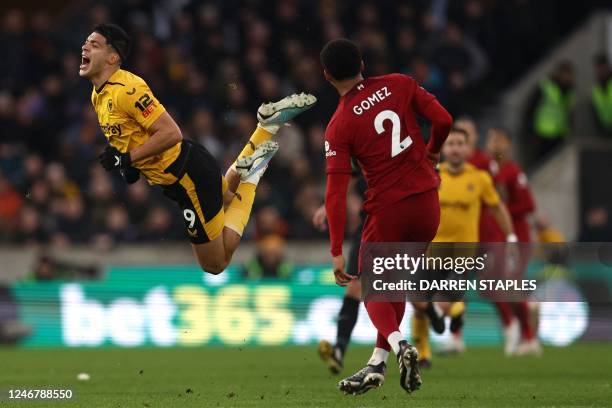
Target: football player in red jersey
(376,123)
(483,161)
(477,157)
(511,182)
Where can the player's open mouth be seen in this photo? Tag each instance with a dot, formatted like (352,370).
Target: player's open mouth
(84,62)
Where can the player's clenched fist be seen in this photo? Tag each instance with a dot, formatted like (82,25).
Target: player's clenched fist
(342,278)
(112,159)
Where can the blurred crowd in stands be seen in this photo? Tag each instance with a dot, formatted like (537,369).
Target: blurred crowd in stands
(211,64)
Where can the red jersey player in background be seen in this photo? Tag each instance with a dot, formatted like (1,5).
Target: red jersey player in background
(482,161)
(511,182)
(477,157)
(376,123)
(489,231)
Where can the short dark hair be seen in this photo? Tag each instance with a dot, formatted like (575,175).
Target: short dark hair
(341,58)
(456,129)
(116,37)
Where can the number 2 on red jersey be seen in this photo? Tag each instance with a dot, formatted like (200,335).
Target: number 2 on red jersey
(397,145)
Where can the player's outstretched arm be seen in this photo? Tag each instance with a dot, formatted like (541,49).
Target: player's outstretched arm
(165,133)
(335,206)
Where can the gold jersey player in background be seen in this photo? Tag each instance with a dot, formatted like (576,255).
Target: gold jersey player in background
(463,190)
(143,138)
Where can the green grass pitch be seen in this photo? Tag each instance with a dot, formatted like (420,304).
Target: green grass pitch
(580,375)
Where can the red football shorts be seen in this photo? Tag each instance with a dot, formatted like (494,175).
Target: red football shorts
(413,219)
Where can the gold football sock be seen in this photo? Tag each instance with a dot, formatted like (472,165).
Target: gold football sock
(420,335)
(259,136)
(456,309)
(239,209)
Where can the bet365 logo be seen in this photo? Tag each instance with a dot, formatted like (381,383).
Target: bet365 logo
(187,315)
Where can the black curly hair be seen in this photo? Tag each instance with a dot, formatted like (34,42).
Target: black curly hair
(341,58)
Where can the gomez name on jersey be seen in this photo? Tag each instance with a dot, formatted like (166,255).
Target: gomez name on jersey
(371,100)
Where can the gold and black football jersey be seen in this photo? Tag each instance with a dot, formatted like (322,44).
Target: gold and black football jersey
(461,197)
(126,109)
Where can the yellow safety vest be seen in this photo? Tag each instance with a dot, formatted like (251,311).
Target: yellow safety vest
(602,100)
(552,113)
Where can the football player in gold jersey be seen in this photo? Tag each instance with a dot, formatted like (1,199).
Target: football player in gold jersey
(143,138)
(463,189)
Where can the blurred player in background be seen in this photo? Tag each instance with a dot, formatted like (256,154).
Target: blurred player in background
(481,160)
(512,315)
(487,229)
(463,190)
(376,123)
(511,182)
(143,138)
(476,156)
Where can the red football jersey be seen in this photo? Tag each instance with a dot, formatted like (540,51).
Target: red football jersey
(376,123)
(488,229)
(514,190)
(480,160)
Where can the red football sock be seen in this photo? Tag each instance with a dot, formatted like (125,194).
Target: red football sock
(384,317)
(400,308)
(381,342)
(521,311)
(505,312)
